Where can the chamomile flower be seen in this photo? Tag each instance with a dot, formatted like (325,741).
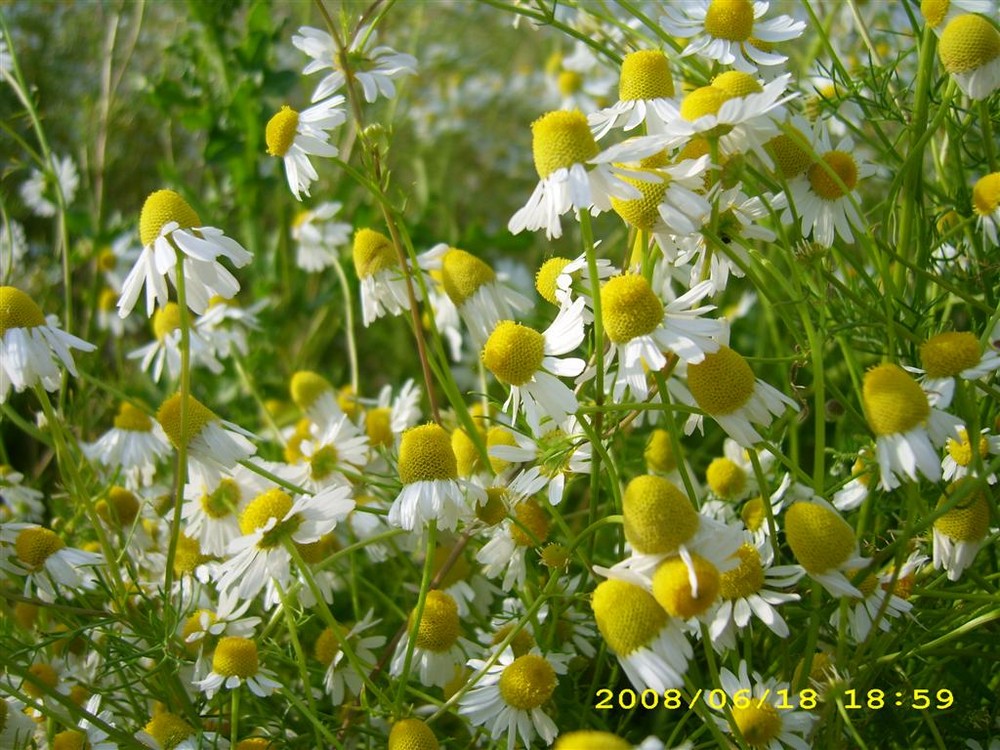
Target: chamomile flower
(295,136)
(724,387)
(18,500)
(824,544)
(204,627)
(319,237)
(561,280)
(374,68)
(730,476)
(574,173)
(641,329)
(38,192)
(759,720)
(509,697)
(959,458)
(412,734)
(16,727)
(329,450)
(431,488)
(270,521)
(213,445)
(236,662)
(13,247)
(950,355)
(41,556)
(438,648)
(170,230)
(316,397)
(969,49)
(592,739)
(87,734)
(31,345)
(961,531)
(938,13)
(167,731)
(824,195)
(530,363)
(644,85)
(669,199)
(527,528)
(342,679)
(875,605)
(165,349)
(858,487)
(226,325)
(648,643)
(383,282)
(388,416)
(986,204)
(212,506)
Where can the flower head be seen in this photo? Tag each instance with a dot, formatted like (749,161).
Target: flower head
(295,136)
(969,49)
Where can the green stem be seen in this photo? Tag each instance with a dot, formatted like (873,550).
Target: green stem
(234,714)
(352,346)
(418,613)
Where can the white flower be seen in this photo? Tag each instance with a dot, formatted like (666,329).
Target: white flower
(17,500)
(134,445)
(340,678)
(969,49)
(234,663)
(212,506)
(824,544)
(644,87)
(383,282)
(757,715)
(13,247)
(295,136)
(38,192)
(986,204)
(165,349)
(42,557)
(939,14)
(957,462)
(876,604)
(328,450)
(962,530)
(438,650)
(319,237)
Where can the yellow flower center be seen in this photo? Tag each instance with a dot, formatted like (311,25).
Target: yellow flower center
(378,426)
(275,504)
(189,555)
(494,510)
(591,740)
(759,723)
(657,516)
(968,43)
(820,539)
(532,527)
(643,212)
(555,556)
(498,435)
(961,450)
(119,506)
(466,454)
(627,615)
(132,419)
(462,274)
(327,646)
(254,743)
(645,75)
(166,319)
(947,354)
(722,382)
(35,544)
(425,455)
(169,417)
(561,139)
(986,194)
(790,159)
(672,586)
(70,739)
(323,462)
(934,11)
(107,300)
(520,644)
(822,182)
(969,520)
(746,578)
(630,308)
(514,352)
(659,452)
(545,279)
(867,585)
(725,478)
(18,310)
(569,82)
(730,19)
(412,734)
(894,402)
(373,252)
(193,625)
(439,626)
(737,84)
(280,131)
(235,657)
(222,501)
(705,100)
(169,730)
(43,673)
(306,386)
(160,208)
(528,682)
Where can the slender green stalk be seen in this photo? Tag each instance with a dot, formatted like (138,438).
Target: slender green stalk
(418,613)
(352,345)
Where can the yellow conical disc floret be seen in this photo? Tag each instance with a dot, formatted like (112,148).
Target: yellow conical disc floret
(306,386)
(658,517)
(822,182)
(894,402)
(327,646)
(947,354)
(43,673)
(373,252)
(561,139)
(166,320)
(18,310)
(752,513)
(189,555)
(759,723)
(160,208)
(569,82)
(412,734)
(746,578)
(119,507)
(659,452)
(425,455)
(466,454)
(439,626)
(528,682)
(513,352)
(672,586)
(986,194)
(169,417)
(132,419)
(235,657)
(34,545)
(629,308)
(968,43)
(730,19)
(645,75)
(254,743)
(627,615)
(545,279)
(378,426)
(498,435)
(969,521)
(70,739)
(169,730)
(591,740)
(722,382)
(961,450)
(790,158)
(820,539)
(272,504)
(703,101)
(934,11)
(280,131)
(643,212)
(494,510)
(532,527)
(736,83)
(725,478)
(462,274)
